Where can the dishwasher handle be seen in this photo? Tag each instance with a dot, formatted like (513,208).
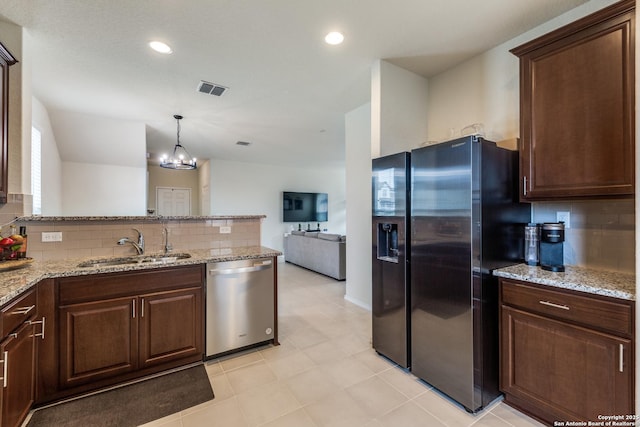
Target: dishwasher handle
(264,265)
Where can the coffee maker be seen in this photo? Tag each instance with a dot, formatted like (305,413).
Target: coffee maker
(551,246)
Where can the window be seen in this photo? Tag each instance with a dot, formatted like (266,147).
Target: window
(36,170)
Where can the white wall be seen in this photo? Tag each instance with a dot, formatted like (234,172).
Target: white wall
(103,190)
(104,164)
(51,163)
(485,89)
(399,122)
(239,188)
(358,151)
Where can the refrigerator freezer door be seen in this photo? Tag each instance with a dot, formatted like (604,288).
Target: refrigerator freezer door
(442,250)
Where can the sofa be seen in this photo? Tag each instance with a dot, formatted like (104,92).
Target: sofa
(324,253)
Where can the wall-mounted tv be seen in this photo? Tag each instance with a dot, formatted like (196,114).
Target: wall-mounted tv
(305,207)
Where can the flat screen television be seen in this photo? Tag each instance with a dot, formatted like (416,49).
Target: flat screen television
(304,207)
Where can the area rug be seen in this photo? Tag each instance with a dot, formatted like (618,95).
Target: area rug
(131,405)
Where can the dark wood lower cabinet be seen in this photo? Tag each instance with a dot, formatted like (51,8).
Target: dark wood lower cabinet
(98,340)
(558,365)
(170,326)
(17,382)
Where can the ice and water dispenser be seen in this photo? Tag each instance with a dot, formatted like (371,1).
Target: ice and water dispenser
(388,242)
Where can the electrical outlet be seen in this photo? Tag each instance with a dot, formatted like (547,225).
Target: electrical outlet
(52,236)
(564,217)
(225,230)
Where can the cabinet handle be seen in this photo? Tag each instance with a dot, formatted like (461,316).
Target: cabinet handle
(621,361)
(23,310)
(36,322)
(5,370)
(550,304)
(133,309)
(524,185)
(142,308)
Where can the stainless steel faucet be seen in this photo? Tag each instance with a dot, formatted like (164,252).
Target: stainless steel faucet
(168,247)
(139,246)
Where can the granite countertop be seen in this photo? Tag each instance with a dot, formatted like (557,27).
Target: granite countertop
(15,282)
(133,218)
(600,282)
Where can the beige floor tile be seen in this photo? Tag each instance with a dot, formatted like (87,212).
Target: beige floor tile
(235,362)
(263,404)
(295,363)
(221,387)
(444,409)
(410,415)
(346,372)
(337,410)
(490,420)
(514,417)
(223,414)
(173,420)
(257,374)
(374,361)
(212,368)
(352,343)
(307,337)
(376,396)
(297,418)
(324,352)
(404,382)
(311,386)
(273,352)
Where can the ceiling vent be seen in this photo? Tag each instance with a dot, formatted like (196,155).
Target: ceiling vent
(243,143)
(211,88)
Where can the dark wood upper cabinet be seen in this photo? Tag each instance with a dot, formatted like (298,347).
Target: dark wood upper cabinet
(6,60)
(577,89)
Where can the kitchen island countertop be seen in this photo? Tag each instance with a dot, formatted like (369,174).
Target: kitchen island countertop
(600,282)
(15,282)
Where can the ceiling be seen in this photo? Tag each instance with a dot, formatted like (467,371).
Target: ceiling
(288,90)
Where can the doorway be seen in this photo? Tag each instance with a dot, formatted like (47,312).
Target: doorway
(173,201)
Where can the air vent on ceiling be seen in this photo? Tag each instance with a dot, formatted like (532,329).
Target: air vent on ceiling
(211,88)
(243,143)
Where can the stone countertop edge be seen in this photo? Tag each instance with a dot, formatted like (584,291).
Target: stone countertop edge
(599,282)
(15,282)
(134,218)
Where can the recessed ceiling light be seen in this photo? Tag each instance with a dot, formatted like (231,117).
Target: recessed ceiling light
(334,37)
(160,47)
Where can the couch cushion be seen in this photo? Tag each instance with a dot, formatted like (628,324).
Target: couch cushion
(327,236)
(298,232)
(311,234)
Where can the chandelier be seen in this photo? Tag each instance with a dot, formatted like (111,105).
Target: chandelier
(181,159)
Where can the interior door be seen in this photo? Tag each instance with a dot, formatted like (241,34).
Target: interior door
(173,201)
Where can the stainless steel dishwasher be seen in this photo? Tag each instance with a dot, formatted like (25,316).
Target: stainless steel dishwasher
(240,304)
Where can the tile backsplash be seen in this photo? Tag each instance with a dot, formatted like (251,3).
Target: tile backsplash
(95,238)
(602,233)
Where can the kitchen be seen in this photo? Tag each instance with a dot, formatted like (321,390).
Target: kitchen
(465,82)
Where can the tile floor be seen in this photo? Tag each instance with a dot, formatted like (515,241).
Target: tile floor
(325,373)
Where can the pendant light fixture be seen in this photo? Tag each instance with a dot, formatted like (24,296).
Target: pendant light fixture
(181,159)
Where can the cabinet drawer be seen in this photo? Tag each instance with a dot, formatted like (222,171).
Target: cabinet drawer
(593,311)
(17,311)
(114,285)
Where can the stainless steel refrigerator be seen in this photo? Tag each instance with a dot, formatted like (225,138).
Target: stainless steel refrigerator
(390,256)
(465,222)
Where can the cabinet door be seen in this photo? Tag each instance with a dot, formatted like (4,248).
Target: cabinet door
(577,108)
(18,375)
(170,326)
(97,340)
(565,371)
(6,60)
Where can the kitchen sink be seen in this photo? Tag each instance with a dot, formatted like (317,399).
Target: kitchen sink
(134,260)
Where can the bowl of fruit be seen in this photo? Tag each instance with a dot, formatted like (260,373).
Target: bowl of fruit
(10,246)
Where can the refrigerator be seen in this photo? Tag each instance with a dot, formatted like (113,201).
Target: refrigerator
(390,256)
(465,221)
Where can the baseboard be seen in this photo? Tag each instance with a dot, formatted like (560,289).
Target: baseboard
(358,302)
